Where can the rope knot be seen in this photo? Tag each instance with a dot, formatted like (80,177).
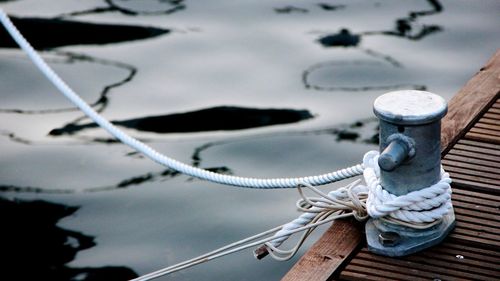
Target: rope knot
(426,205)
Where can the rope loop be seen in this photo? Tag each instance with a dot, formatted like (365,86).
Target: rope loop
(422,206)
(419,209)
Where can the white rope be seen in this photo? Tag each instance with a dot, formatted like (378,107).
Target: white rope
(239,246)
(419,209)
(355,200)
(423,206)
(345,201)
(155,155)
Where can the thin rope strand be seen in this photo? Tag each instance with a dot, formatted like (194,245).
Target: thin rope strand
(207,257)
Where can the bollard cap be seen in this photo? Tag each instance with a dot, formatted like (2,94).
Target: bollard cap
(410,107)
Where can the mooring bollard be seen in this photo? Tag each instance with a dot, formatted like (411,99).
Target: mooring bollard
(410,160)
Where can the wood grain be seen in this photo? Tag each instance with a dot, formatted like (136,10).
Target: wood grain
(470,102)
(328,254)
(470,146)
(470,252)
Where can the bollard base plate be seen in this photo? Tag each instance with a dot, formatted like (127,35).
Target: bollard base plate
(409,241)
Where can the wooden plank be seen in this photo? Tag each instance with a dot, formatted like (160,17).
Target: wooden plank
(448,260)
(478,225)
(483,137)
(429,266)
(472,240)
(485,131)
(479,144)
(477,253)
(476,220)
(490,210)
(465,183)
(487,126)
(477,179)
(486,176)
(476,213)
(469,193)
(493,116)
(480,162)
(329,253)
(400,270)
(488,121)
(483,150)
(473,167)
(472,100)
(485,237)
(492,231)
(367,273)
(355,276)
(474,155)
(458,197)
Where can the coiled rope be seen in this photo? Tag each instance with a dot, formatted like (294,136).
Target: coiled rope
(157,156)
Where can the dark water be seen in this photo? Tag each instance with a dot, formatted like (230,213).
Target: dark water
(278,88)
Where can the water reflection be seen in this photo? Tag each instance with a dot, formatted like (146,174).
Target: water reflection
(406,27)
(319,76)
(342,39)
(331,7)
(136,180)
(362,131)
(65,32)
(102,101)
(409,28)
(13,137)
(133,8)
(35,248)
(290,9)
(226,118)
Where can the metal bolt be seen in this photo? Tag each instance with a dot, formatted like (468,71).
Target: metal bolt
(389,239)
(393,155)
(261,252)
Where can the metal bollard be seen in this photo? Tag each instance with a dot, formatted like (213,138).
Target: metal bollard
(410,159)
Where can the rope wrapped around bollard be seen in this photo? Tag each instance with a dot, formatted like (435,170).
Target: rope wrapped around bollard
(419,209)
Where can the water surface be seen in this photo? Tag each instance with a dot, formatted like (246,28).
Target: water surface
(279,88)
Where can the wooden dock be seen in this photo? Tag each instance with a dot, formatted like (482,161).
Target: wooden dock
(471,154)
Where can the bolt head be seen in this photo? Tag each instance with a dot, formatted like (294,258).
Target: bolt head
(389,239)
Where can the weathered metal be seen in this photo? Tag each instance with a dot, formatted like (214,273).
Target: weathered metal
(470,142)
(410,159)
